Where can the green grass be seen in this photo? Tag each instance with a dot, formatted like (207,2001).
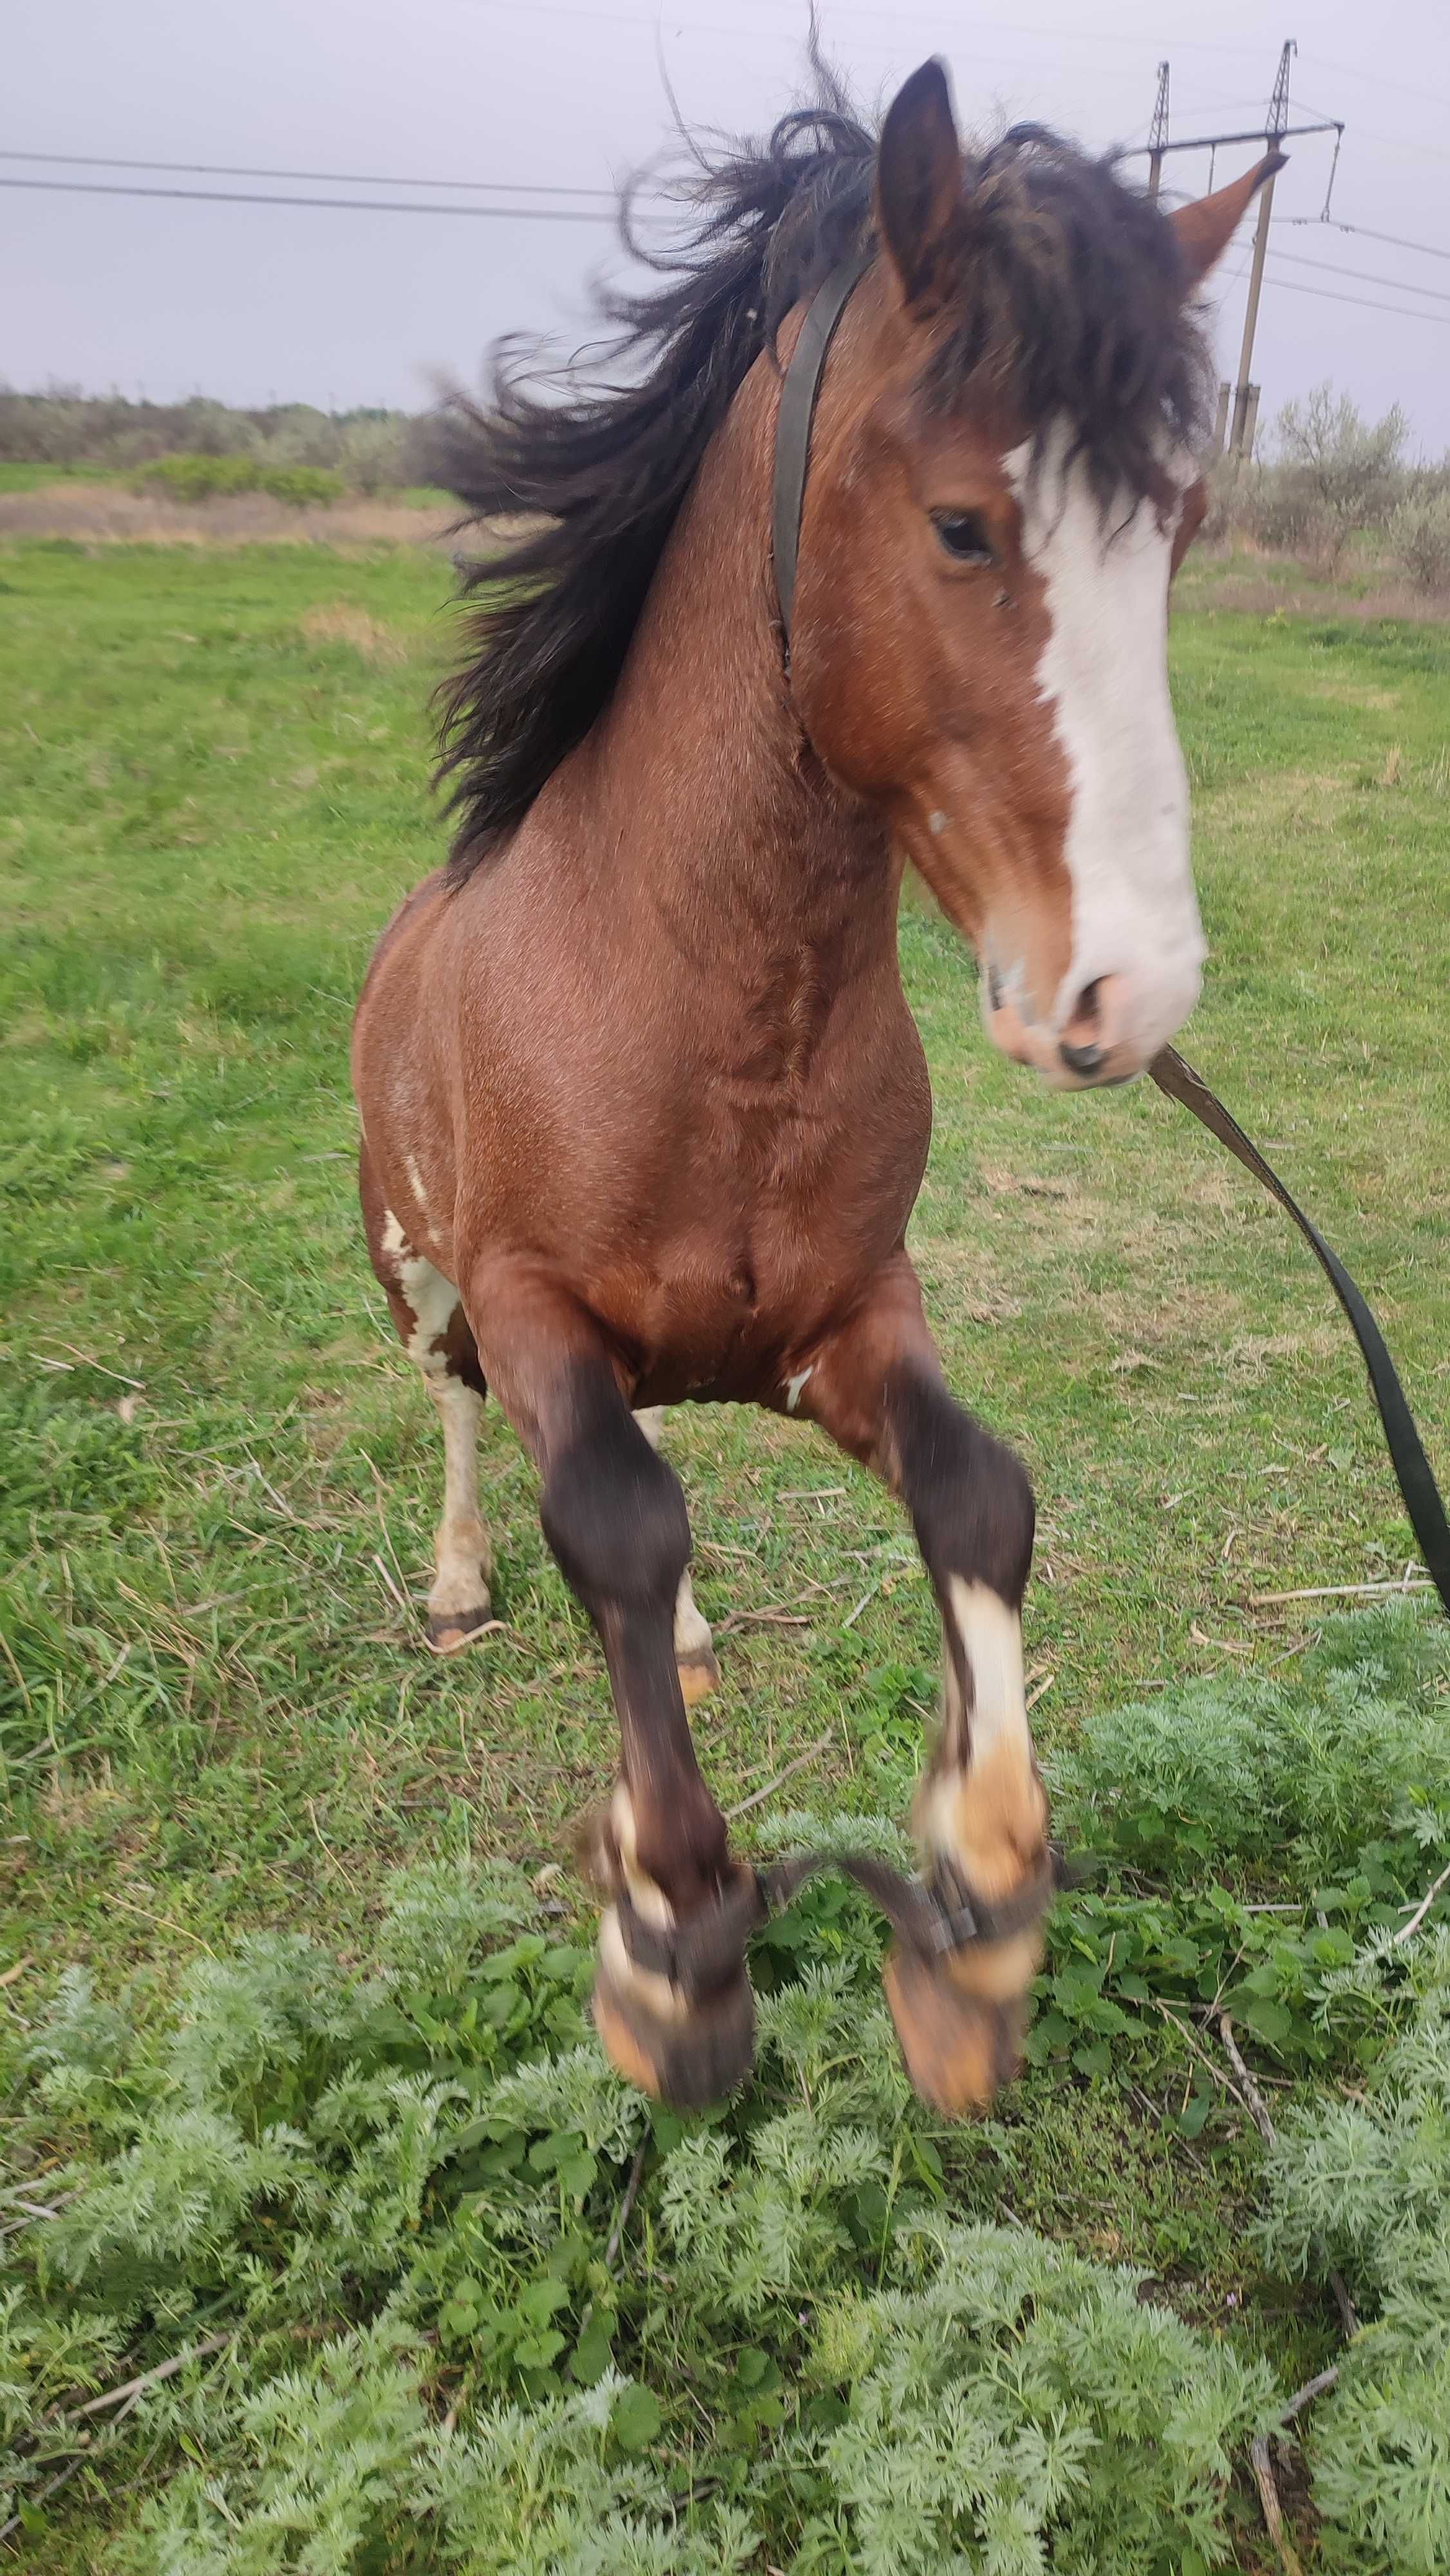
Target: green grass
(220,1479)
(23,476)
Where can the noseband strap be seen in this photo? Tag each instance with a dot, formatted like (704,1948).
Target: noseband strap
(793,422)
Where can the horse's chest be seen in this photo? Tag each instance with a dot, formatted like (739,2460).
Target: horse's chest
(726,1301)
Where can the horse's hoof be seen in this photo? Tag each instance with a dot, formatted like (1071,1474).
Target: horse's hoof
(688,2062)
(449,1630)
(699,1674)
(959,2048)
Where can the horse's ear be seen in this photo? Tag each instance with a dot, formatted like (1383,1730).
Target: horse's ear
(919,185)
(1206,228)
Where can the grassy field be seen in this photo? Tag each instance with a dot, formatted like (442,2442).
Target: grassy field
(219,1481)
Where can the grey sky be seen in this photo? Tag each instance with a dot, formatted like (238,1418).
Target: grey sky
(255,303)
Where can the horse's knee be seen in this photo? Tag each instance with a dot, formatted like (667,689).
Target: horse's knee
(969,1497)
(614,1515)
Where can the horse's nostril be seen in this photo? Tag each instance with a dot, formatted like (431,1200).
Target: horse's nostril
(1082,1059)
(1081,1045)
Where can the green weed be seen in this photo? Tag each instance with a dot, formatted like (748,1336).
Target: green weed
(1365,2185)
(380,2217)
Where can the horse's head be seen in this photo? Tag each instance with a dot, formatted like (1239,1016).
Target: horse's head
(1003,481)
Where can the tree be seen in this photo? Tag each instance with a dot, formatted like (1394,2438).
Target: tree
(1336,469)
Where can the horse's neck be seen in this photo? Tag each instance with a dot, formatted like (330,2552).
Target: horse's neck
(698,773)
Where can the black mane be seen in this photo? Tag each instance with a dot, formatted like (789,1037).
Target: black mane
(1076,305)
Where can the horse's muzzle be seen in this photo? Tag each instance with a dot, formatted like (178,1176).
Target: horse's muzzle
(1109,1032)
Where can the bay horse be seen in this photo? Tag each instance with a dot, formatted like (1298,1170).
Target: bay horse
(644,1109)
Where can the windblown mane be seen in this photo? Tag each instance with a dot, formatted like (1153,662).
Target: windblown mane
(1076,305)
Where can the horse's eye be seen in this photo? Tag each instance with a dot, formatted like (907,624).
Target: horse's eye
(963,534)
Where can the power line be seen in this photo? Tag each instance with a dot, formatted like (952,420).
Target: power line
(337,205)
(332,178)
(1366,276)
(891,17)
(1399,143)
(1395,241)
(1377,80)
(1371,303)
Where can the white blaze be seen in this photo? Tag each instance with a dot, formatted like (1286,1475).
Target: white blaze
(1104,673)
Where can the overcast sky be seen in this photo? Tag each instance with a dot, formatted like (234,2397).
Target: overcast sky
(255,303)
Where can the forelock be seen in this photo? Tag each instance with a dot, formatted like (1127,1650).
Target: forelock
(1071,304)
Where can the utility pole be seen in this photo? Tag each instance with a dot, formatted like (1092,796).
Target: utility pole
(1274,124)
(1274,131)
(1158,135)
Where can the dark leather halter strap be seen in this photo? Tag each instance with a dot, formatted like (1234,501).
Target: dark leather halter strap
(793,422)
(935,1916)
(1407,1454)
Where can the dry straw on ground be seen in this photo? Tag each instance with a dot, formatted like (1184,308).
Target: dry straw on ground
(338,621)
(106,513)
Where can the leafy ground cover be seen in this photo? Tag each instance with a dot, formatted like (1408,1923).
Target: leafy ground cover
(295,2047)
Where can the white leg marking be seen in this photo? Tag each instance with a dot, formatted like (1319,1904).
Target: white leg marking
(658,1996)
(461,1550)
(649,1901)
(987,1814)
(793,1386)
(692,1629)
(651,1904)
(991,1637)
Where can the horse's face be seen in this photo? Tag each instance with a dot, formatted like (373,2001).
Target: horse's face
(983,642)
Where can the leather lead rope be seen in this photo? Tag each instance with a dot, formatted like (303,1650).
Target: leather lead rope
(1407,1453)
(937,1917)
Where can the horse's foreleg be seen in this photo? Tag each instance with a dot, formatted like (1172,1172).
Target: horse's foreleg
(981,1815)
(672,2002)
(694,1646)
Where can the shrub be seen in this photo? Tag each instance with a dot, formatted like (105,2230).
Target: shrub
(372,455)
(1353,464)
(1419,538)
(369,449)
(302,484)
(1365,2186)
(1328,472)
(204,478)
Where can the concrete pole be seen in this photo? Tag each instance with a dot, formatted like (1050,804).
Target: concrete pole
(1251,420)
(1251,316)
